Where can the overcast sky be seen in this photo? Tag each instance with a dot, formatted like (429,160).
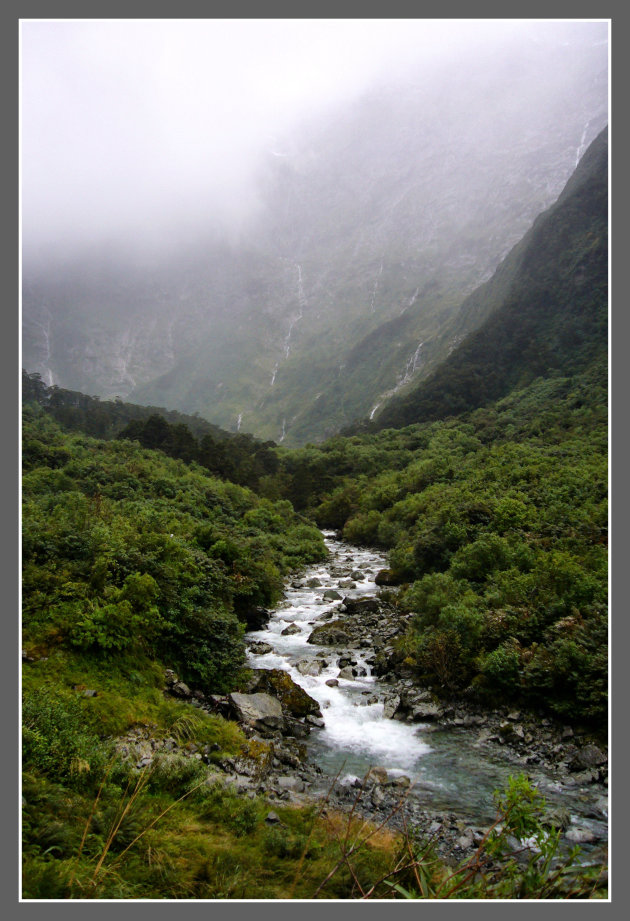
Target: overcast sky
(130,125)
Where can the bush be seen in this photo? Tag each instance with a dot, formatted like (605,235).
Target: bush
(502,666)
(57,742)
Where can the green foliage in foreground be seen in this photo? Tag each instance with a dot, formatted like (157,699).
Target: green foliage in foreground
(95,827)
(518,858)
(496,525)
(127,552)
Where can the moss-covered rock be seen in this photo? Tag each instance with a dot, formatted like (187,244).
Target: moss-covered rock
(294,700)
(331,634)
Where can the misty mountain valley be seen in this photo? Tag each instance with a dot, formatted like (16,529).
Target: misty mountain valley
(315,400)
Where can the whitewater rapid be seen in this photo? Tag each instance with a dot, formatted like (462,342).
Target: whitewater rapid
(449,768)
(355,729)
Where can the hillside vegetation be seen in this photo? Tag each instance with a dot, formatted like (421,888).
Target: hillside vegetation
(152,546)
(496,525)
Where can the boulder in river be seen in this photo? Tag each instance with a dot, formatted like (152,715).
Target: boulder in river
(425,711)
(331,595)
(347,673)
(368,605)
(377,775)
(391,706)
(291,630)
(386,577)
(331,634)
(312,667)
(260,649)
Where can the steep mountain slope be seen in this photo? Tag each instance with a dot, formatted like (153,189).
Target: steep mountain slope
(375,223)
(548,307)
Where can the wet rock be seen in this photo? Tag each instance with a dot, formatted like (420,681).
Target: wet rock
(291,630)
(332,634)
(400,783)
(260,649)
(347,673)
(294,699)
(332,683)
(588,757)
(257,710)
(367,605)
(377,775)
(331,595)
(256,618)
(425,712)
(386,577)
(312,667)
(390,707)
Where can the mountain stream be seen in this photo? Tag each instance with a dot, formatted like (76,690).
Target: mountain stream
(451,768)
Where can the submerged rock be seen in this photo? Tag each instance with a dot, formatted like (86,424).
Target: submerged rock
(312,667)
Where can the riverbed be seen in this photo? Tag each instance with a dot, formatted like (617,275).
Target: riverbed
(453,769)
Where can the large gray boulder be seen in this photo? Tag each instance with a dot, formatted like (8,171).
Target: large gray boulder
(295,702)
(426,711)
(588,757)
(331,595)
(331,634)
(261,711)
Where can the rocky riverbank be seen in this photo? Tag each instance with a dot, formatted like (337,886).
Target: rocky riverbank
(346,632)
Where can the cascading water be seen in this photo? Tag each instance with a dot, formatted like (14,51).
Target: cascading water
(355,730)
(449,768)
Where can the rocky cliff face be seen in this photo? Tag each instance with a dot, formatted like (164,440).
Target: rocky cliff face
(375,223)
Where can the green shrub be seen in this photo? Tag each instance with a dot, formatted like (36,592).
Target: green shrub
(57,741)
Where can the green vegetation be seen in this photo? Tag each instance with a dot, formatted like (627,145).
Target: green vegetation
(127,552)
(152,545)
(496,524)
